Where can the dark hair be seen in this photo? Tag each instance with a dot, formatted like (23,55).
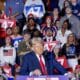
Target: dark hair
(26,32)
(28,26)
(31,19)
(64,3)
(69,25)
(5,41)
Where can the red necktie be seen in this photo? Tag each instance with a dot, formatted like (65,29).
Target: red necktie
(43,68)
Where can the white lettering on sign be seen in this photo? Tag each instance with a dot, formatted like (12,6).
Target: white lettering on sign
(36,10)
(50,45)
(61,61)
(7,23)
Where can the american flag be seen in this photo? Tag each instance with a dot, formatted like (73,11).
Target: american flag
(8,52)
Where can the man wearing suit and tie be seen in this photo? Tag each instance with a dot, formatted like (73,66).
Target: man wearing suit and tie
(39,63)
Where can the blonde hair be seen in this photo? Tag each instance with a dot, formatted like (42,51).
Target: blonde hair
(74,39)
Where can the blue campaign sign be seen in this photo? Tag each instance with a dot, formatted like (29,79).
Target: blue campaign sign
(34,8)
(16,42)
(42,78)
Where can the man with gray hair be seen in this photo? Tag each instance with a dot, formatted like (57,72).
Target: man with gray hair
(38,63)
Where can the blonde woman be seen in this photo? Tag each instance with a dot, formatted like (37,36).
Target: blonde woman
(70,49)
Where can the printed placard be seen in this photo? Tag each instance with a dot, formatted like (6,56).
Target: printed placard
(7,23)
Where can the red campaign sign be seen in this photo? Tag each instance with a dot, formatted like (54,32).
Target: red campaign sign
(7,23)
(8,52)
(7,70)
(50,45)
(63,61)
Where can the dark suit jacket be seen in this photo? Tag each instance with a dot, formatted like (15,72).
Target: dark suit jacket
(30,63)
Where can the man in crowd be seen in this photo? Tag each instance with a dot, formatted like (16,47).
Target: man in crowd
(39,63)
(74,21)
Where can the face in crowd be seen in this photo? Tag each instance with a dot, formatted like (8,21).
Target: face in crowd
(8,40)
(48,20)
(15,30)
(71,38)
(37,46)
(49,33)
(31,23)
(68,10)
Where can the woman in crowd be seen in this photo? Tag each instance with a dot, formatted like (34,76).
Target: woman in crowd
(32,27)
(16,37)
(7,52)
(70,50)
(63,33)
(8,57)
(65,4)
(48,25)
(31,21)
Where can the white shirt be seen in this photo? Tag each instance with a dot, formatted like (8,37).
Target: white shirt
(61,38)
(25,27)
(7,55)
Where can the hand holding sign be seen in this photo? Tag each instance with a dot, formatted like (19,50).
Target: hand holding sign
(50,45)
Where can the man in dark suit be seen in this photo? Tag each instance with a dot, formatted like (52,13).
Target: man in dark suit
(34,63)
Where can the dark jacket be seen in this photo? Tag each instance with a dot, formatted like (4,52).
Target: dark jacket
(30,63)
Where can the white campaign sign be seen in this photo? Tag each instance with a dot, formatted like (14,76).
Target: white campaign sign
(35,7)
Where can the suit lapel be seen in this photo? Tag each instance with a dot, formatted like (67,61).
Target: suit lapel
(36,61)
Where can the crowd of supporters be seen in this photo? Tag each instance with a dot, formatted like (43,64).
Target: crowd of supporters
(59,28)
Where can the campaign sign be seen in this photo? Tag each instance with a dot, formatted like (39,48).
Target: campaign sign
(7,23)
(36,10)
(42,78)
(16,41)
(50,45)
